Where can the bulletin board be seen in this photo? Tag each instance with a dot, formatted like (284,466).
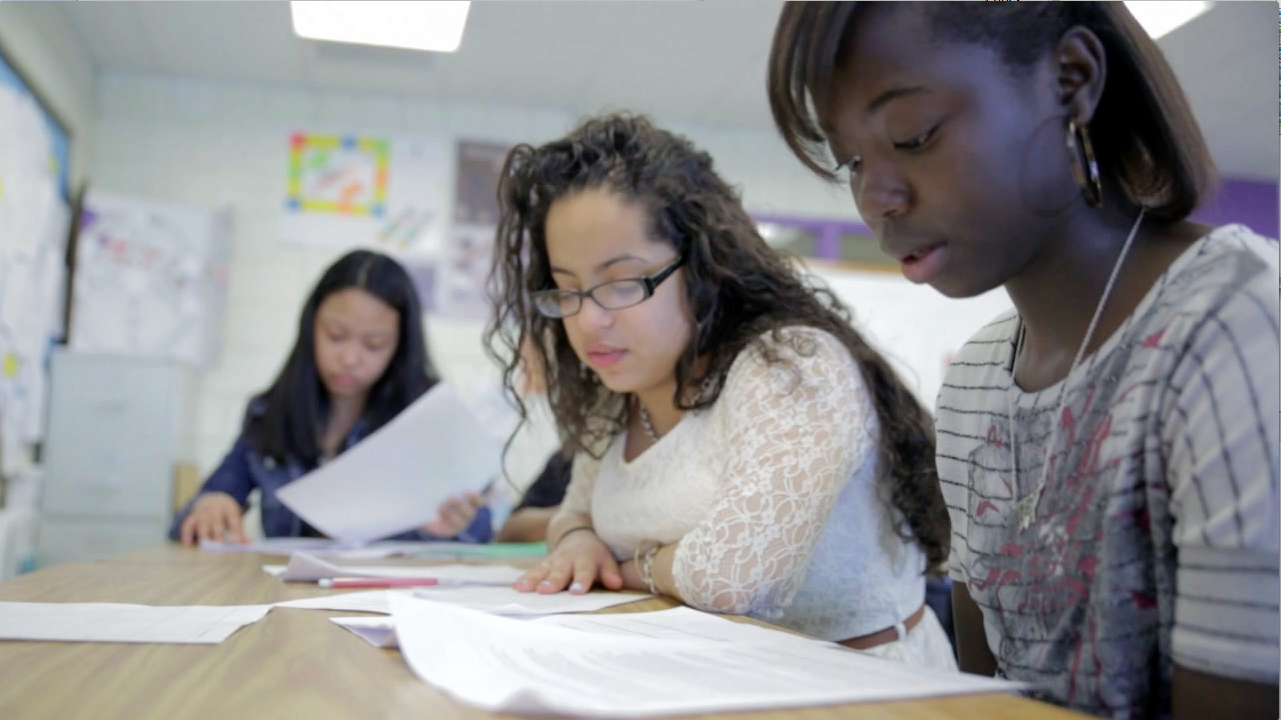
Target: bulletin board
(13,81)
(35,199)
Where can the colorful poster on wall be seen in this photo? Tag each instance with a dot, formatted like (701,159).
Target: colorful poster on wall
(350,190)
(469,249)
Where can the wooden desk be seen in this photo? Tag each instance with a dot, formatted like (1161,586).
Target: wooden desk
(291,664)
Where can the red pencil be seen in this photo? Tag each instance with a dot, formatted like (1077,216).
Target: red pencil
(376,582)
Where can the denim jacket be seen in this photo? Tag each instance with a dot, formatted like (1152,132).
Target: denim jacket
(244,469)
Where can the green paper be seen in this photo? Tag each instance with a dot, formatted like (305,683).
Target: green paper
(494,550)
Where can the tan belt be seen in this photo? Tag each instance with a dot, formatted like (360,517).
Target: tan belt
(889,634)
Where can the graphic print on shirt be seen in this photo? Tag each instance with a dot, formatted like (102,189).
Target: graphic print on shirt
(1036,585)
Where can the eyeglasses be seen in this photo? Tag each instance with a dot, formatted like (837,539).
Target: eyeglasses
(613,295)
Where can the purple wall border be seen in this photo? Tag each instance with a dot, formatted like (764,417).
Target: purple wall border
(1250,202)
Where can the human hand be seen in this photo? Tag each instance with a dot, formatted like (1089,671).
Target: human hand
(214,516)
(456,514)
(579,560)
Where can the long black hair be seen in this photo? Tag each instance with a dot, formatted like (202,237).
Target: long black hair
(737,286)
(297,403)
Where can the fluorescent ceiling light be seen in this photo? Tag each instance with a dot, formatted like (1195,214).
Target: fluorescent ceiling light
(1161,18)
(435,26)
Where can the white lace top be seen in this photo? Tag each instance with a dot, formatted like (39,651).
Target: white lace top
(772,495)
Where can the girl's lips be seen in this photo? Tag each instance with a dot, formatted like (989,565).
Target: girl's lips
(923,266)
(603,358)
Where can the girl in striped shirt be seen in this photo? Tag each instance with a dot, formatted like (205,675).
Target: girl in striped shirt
(1108,449)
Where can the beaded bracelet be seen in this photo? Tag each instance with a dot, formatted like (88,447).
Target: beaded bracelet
(645,566)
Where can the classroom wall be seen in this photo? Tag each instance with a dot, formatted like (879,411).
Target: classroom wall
(43,48)
(217,144)
(1250,202)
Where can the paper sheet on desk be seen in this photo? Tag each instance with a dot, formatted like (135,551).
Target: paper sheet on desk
(305,567)
(486,551)
(377,631)
(395,479)
(497,600)
(269,546)
(680,623)
(111,622)
(320,547)
(505,665)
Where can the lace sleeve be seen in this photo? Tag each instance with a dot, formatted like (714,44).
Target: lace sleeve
(795,431)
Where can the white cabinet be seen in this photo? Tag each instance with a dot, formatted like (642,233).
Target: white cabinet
(117,427)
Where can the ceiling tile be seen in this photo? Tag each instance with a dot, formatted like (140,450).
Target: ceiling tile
(112,34)
(700,62)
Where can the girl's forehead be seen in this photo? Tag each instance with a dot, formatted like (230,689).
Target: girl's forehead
(878,68)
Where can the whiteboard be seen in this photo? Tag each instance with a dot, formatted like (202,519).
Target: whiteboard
(914,326)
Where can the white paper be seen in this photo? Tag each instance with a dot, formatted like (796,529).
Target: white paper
(395,479)
(376,550)
(504,665)
(322,547)
(110,622)
(497,600)
(680,623)
(269,546)
(377,631)
(508,601)
(305,567)
(370,601)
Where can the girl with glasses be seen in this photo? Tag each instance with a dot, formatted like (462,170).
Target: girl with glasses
(737,444)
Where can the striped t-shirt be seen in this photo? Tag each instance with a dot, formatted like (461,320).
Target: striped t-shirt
(1155,541)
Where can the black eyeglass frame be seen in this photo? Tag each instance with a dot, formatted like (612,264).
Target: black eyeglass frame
(649,282)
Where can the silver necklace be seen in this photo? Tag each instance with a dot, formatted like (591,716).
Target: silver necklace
(1026,506)
(646,424)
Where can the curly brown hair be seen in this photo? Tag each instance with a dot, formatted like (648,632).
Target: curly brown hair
(737,288)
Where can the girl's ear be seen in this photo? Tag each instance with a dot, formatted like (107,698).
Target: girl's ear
(1081,73)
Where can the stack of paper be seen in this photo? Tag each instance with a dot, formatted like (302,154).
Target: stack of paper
(459,551)
(269,546)
(497,600)
(599,668)
(110,622)
(350,551)
(305,567)
(680,623)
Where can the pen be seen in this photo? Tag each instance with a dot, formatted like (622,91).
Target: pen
(374,582)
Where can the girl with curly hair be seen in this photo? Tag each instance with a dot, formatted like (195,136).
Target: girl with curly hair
(737,444)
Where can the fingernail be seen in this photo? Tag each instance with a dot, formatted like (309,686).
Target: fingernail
(545,583)
(576,587)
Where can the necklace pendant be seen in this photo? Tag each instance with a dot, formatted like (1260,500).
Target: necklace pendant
(1026,509)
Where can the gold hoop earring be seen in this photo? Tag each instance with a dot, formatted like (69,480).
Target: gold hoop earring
(1084,167)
